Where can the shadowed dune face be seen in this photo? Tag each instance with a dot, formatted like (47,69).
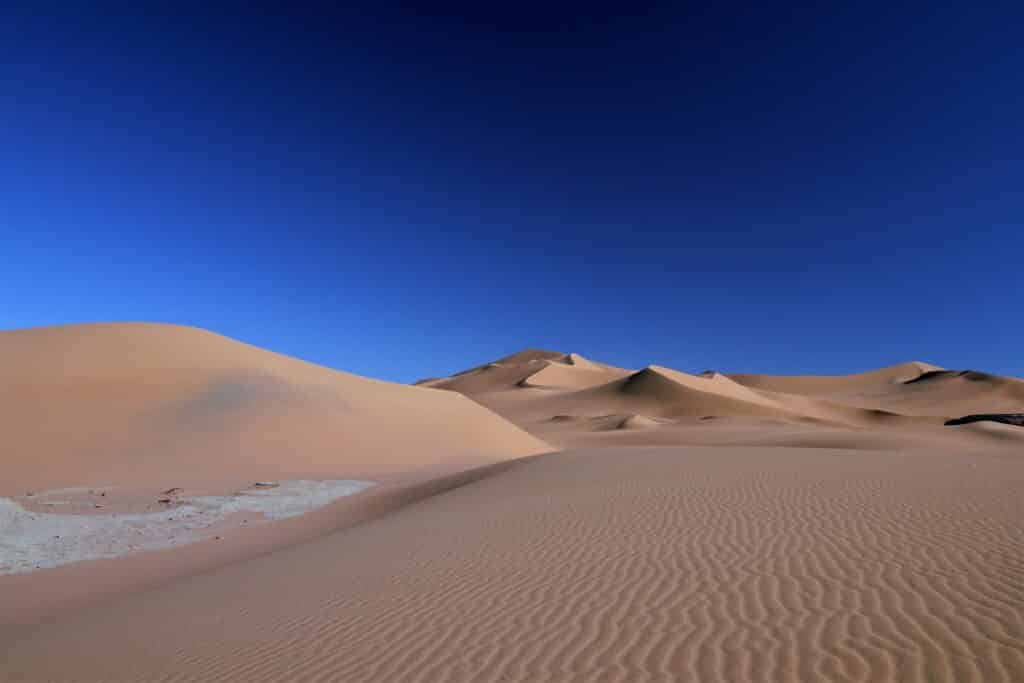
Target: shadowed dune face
(959,393)
(127,404)
(1014,419)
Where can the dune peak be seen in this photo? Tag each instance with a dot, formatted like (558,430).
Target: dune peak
(529,355)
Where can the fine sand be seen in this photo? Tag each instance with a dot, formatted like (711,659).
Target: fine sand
(101,421)
(139,405)
(692,527)
(698,564)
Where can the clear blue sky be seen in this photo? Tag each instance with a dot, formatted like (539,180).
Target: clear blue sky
(797,188)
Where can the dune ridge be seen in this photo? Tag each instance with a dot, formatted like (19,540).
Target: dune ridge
(901,373)
(531,368)
(895,406)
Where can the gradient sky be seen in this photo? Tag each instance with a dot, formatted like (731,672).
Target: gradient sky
(403,193)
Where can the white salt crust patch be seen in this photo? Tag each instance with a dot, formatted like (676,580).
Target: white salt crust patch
(39,540)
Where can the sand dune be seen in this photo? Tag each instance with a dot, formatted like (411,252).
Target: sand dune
(702,527)
(609,432)
(529,369)
(893,407)
(112,416)
(137,404)
(917,389)
(557,376)
(958,393)
(832,384)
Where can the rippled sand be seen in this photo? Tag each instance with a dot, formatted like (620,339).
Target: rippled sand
(643,564)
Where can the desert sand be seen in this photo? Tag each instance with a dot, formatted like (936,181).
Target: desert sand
(105,420)
(160,406)
(544,517)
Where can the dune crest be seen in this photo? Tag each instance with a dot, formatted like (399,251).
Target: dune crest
(529,369)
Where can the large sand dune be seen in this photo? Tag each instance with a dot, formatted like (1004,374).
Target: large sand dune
(697,527)
(139,404)
(101,421)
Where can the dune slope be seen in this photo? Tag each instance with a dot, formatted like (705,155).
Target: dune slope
(138,404)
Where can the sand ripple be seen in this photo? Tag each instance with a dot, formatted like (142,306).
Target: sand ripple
(659,564)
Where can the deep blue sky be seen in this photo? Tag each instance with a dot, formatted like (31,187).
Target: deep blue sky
(404,193)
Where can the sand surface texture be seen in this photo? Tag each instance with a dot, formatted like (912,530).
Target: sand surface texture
(693,527)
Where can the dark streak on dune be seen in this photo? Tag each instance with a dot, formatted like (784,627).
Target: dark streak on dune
(234,394)
(932,375)
(1015,419)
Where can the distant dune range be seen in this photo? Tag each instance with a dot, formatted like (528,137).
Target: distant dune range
(691,527)
(571,401)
